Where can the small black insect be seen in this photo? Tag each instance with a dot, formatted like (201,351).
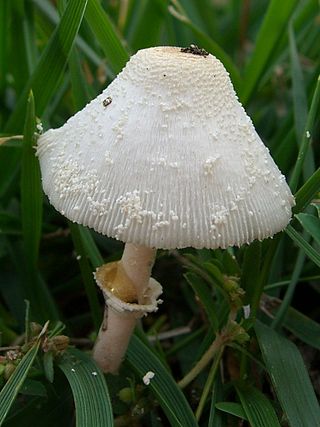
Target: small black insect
(195,50)
(107,101)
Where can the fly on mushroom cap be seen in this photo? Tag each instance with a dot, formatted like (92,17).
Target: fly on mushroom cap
(170,160)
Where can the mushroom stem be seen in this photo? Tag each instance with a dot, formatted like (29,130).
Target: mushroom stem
(118,324)
(137,262)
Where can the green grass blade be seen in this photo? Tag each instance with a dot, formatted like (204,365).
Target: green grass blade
(258,409)
(11,389)
(48,73)
(232,408)
(80,89)
(89,389)
(4,31)
(307,192)
(105,33)
(289,377)
(215,417)
(91,248)
(251,271)
(311,224)
(42,304)
(205,296)
(306,329)
(169,395)
(272,28)
(300,104)
(31,190)
(87,276)
(306,139)
(49,11)
(282,312)
(304,245)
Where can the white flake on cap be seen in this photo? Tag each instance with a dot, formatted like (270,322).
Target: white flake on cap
(173,161)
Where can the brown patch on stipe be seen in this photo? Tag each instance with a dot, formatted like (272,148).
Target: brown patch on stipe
(113,277)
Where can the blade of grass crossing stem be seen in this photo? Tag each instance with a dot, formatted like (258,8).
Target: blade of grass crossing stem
(89,389)
(104,31)
(306,138)
(303,244)
(87,275)
(169,395)
(307,192)
(258,409)
(11,389)
(49,70)
(272,28)
(289,377)
(203,292)
(42,304)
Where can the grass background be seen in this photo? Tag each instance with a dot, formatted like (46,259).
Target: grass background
(54,57)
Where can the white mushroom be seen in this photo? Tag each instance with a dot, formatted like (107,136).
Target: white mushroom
(166,157)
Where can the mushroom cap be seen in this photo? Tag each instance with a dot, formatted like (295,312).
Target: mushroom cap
(166,157)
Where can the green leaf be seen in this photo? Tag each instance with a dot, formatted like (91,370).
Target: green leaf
(48,73)
(303,244)
(251,271)
(306,329)
(90,392)
(206,298)
(258,409)
(90,247)
(273,26)
(169,395)
(11,389)
(215,417)
(311,224)
(48,366)
(105,33)
(289,377)
(306,139)
(31,190)
(33,388)
(87,275)
(307,192)
(232,408)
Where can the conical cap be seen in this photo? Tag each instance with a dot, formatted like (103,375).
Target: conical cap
(166,157)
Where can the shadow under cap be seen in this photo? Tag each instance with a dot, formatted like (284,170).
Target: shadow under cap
(173,161)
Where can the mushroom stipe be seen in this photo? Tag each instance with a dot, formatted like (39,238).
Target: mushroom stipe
(166,167)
